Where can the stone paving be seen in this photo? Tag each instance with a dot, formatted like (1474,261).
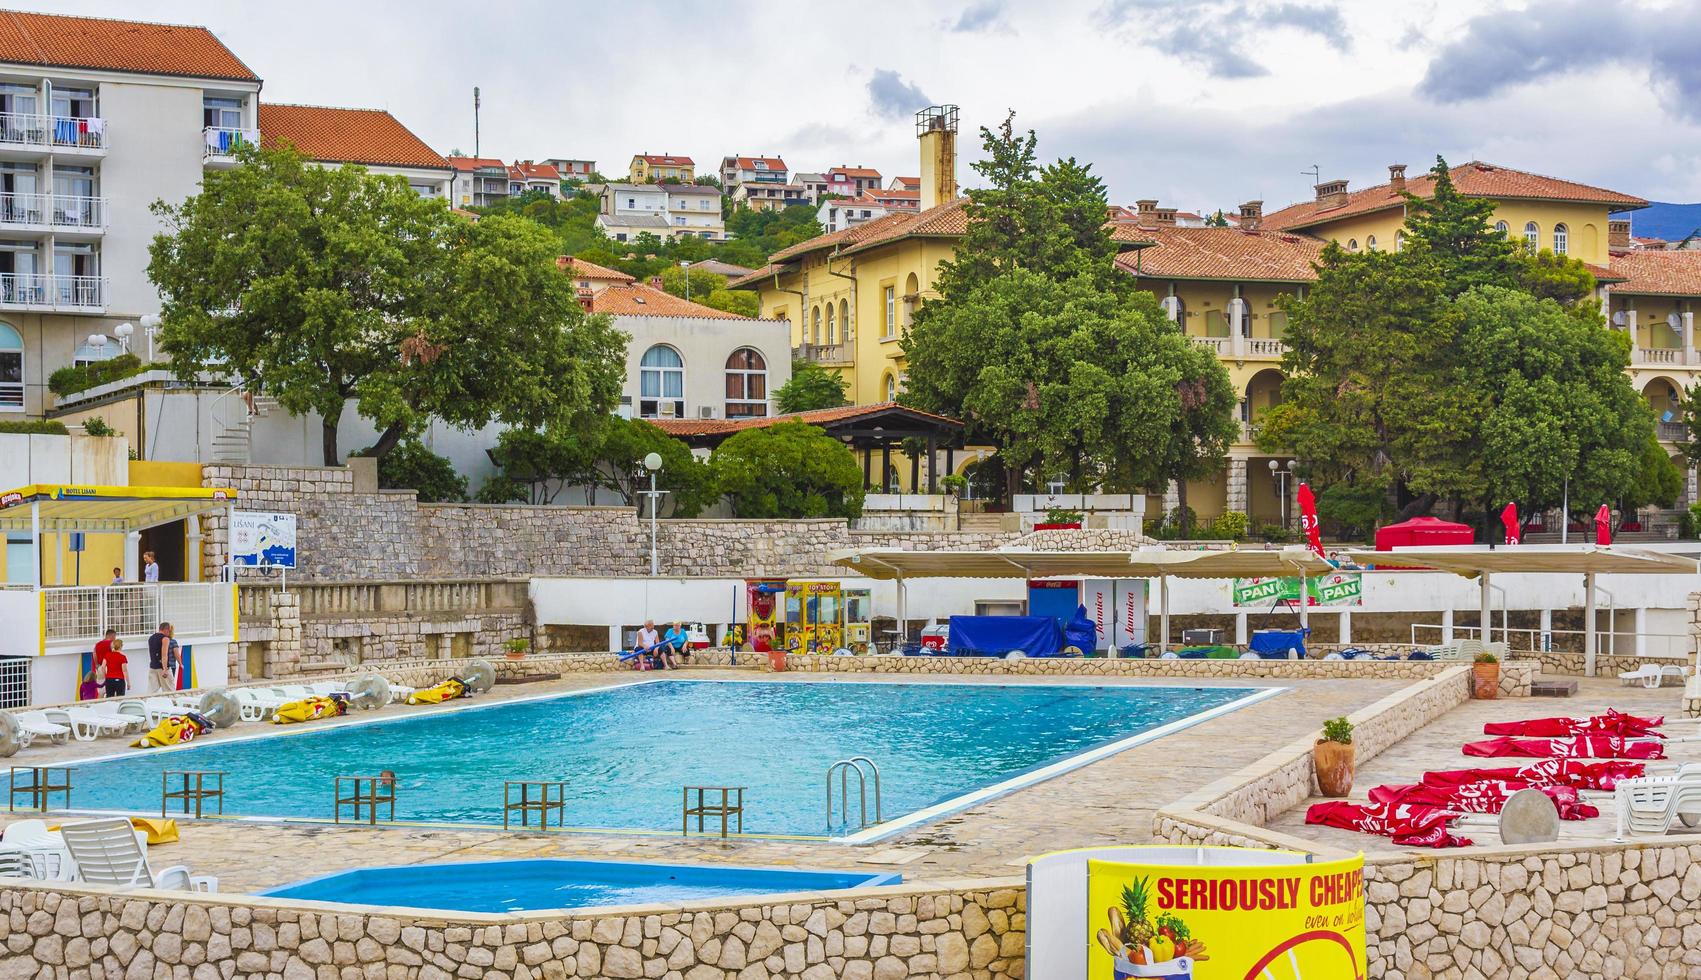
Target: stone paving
(1108,802)
(1437,747)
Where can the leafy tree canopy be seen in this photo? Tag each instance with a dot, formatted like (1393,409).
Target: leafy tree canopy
(811,387)
(788,470)
(322,286)
(411,466)
(535,467)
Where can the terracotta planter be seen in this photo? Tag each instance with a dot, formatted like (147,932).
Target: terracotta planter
(1485,681)
(1334,764)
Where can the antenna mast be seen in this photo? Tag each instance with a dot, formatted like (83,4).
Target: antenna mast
(475,120)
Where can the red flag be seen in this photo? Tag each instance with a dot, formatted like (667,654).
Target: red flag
(1509,517)
(1581,747)
(1603,525)
(1308,519)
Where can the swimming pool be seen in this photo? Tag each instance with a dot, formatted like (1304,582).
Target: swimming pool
(552,883)
(626,751)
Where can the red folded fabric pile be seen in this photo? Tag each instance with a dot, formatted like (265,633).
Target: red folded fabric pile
(1580,747)
(1487,796)
(1612,723)
(1574,773)
(1409,825)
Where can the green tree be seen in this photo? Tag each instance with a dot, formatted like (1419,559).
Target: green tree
(1657,483)
(1454,232)
(788,470)
(811,387)
(535,467)
(411,466)
(619,454)
(1217,220)
(322,286)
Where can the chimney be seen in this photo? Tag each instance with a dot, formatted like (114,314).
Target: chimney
(1145,213)
(655,282)
(1251,215)
(936,130)
(1397,177)
(586,297)
(1331,193)
(1618,234)
(1165,217)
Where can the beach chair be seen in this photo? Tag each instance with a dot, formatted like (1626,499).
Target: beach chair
(43,848)
(1650,805)
(36,724)
(107,853)
(86,725)
(325,689)
(113,713)
(156,710)
(256,705)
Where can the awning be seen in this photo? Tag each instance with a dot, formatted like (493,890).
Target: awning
(106,510)
(1575,559)
(1146,563)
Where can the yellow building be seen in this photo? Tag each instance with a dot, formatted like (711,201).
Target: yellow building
(648,168)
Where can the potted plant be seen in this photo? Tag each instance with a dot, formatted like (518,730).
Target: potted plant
(1332,757)
(1059,519)
(516,648)
(954,484)
(1485,677)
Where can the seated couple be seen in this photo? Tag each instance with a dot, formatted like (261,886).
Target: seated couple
(662,651)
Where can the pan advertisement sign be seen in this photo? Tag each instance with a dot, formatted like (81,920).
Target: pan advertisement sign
(1333,589)
(1205,922)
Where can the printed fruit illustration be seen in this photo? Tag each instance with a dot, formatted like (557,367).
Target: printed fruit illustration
(1135,897)
(1163,949)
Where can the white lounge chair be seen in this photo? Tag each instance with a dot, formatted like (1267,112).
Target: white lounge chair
(325,689)
(1652,675)
(107,853)
(255,704)
(36,724)
(44,849)
(114,712)
(1651,804)
(86,725)
(156,710)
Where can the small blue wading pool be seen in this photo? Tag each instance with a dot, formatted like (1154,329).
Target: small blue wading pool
(624,752)
(516,886)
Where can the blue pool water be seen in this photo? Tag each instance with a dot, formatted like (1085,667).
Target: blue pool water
(625,752)
(512,886)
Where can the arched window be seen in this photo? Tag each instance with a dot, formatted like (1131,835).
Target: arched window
(1532,235)
(1352,244)
(1501,227)
(832,328)
(1561,239)
(90,353)
(844,320)
(1399,240)
(815,329)
(912,296)
(891,387)
(11,369)
(661,383)
(746,385)
(1370,243)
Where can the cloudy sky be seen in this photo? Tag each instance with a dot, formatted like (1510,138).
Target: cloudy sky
(1200,103)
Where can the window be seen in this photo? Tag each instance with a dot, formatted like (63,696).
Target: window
(891,387)
(620,236)
(1216,323)
(1561,239)
(1370,243)
(679,222)
(1278,321)
(73,103)
(1532,235)
(746,385)
(87,353)
(11,369)
(220,113)
(891,295)
(1501,227)
(1399,240)
(844,320)
(832,329)
(705,234)
(1352,244)
(815,329)
(631,204)
(661,382)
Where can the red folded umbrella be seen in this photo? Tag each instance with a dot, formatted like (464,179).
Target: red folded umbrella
(1581,747)
(1548,772)
(1611,723)
(1409,825)
(1488,796)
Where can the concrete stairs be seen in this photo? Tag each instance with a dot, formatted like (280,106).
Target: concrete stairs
(984,523)
(233,441)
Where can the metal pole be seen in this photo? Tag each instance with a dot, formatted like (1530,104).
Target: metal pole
(903,634)
(655,560)
(1163,614)
(35,541)
(1565,514)
(1487,631)
(1589,624)
(1304,606)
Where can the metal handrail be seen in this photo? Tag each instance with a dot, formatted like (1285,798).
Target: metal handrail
(844,767)
(1677,642)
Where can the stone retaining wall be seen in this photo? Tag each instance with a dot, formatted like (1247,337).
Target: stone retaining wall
(966,929)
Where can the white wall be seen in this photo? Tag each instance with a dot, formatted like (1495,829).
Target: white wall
(705,343)
(81,459)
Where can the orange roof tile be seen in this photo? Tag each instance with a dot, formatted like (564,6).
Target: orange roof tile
(475,163)
(1223,253)
(580,269)
(820,416)
(749,163)
(535,171)
(662,159)
(117,45)
(1476,179)
(908,183)
(855,172)
(756,276)
(346,136)
(1657,272)
(637,299)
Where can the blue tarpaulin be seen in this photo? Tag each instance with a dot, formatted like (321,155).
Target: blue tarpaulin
(1080,632)
(995,636)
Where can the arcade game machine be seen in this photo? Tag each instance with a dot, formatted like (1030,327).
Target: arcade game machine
(859,618)
(763,600)
(814,616)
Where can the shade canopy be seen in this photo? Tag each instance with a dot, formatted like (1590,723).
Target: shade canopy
(1423,531)
(105,510)
(1576,559)
(1146,563)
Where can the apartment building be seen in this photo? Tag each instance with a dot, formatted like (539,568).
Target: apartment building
(626,211)
(814,185)
(524,176)
(647,168)
(737,171)
(479,181)
(840,213)
(852,181)
(98,119)
(371,138)
(767,197)
(695,209)
(573,169)
(905,184)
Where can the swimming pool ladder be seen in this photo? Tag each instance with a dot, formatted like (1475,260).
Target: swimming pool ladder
(864,767)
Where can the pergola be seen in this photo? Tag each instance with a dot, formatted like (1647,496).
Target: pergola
(1159,563)
(59,509)
(1588,560)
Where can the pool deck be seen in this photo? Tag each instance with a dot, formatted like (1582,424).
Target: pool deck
(1110,801)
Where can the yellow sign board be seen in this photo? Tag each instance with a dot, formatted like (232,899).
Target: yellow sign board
(1272,922)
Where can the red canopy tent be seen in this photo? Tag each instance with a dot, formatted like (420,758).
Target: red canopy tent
(1420,532)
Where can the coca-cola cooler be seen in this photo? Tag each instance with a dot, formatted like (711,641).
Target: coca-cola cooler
(1117,608)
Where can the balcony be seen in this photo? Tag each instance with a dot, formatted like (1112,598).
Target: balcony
(1216,345)
(79,616)
(827,355)
(220,143)
(70,217)
(1672,432)
(1248,432)
(1243,348)
(1265,348)
(38,135)
(52,294)
(1664,356)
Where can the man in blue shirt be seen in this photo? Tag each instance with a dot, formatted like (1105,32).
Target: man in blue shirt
(676,643)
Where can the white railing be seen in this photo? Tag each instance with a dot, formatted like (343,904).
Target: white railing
(23,209)
(1265,347)
(1659,355)
(41,292)
(83,614)
(1218,345)
(1607,641)
(224,141)
(62,132)
(59,211)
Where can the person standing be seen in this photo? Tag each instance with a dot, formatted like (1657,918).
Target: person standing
(117,575)
(150,567)
(159,649)
(109,654)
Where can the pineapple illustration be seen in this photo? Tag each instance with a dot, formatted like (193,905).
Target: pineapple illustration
(1135,897)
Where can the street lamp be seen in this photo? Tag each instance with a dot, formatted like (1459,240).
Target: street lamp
(150,326)
(1281,473)
(653,462)
(686,268)
(123,332)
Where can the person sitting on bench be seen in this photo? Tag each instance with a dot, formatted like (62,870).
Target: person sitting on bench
(677,643)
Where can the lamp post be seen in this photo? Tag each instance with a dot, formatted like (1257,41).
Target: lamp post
(123,332)
(685,267)
(150,326)
(1281,473)
(653,462)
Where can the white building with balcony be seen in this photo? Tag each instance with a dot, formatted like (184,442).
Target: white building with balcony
(97,121)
